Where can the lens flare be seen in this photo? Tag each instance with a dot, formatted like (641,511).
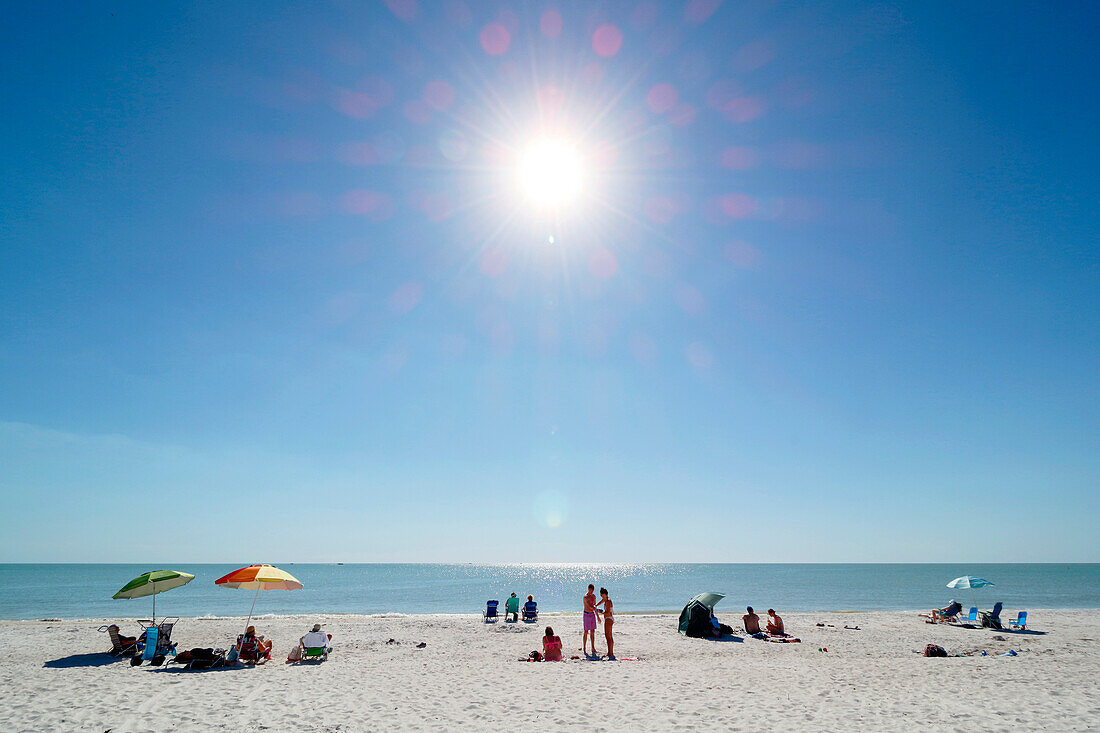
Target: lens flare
(550,173)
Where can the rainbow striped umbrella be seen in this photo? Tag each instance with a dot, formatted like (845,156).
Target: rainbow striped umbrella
(260,577)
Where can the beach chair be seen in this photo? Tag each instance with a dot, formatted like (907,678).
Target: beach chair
(158,645)
(252,651)
(511,608)
(992,619)
(491,611)
(121,646)
(970,618)
(314,654)
(530,612)
(1019,623)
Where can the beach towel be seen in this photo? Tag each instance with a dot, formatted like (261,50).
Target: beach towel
(782,639)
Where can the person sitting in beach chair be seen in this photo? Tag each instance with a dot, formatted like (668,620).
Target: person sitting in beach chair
(530,610)
(122,646)
(252,649)
(775,624)
(490,613)
(158,644)
(511,608)
(951,611)
(314,645)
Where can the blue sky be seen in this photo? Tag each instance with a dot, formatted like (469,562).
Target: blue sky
(830,291)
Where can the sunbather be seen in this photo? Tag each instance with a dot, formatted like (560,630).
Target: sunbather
(949,611)
(551,646)
(775,624)
(253,649)
(751,621)
(122,646)
(315,639)
(511,608)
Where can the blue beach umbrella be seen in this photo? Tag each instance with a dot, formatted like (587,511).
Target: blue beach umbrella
(968,581)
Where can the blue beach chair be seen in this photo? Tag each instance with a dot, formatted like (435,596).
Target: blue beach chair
(158,645)
(491,611)
(530,612)
(970,618)
(1020,622)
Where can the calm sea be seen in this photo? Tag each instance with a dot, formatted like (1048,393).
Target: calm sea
(84,591)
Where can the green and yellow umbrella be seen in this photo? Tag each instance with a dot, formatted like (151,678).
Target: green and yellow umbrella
(151,583)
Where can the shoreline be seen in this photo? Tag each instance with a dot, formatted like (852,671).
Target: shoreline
(719,611)
(469,676)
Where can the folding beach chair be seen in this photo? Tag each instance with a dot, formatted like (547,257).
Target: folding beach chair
(530,612)
(970,618)
(121,646)
(1020,622)
(992,619)
(158,644)
(491,611)
(314,654)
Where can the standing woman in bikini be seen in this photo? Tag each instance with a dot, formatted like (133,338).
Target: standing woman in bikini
(608,621)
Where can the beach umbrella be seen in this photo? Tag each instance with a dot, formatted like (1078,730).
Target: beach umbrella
(968,581)
(260,577)
(698,610)
(151,583)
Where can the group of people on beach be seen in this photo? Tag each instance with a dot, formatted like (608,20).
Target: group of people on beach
(594,611)
(592,615)
(752,623)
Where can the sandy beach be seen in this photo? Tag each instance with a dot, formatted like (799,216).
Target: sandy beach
(468,677)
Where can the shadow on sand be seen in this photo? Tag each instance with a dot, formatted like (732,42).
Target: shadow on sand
(96,659)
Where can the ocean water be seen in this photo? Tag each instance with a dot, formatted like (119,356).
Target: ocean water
(84,591)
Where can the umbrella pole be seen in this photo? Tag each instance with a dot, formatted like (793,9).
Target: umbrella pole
(249,621)
(154,605)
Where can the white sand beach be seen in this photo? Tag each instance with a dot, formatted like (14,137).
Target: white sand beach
(469,677)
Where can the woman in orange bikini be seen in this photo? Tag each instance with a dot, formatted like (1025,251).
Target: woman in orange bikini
(608,621)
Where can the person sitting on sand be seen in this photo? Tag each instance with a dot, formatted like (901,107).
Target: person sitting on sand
(551,646)
(751,621)
(315,639)
(511,608)
(775,624)
(253,649)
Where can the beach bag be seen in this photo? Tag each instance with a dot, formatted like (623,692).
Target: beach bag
(295,654)
(534,656)
(932,650)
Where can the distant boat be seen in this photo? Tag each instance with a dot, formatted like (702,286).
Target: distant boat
(339,563)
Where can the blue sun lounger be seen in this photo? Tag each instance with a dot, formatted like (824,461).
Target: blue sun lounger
(491,611)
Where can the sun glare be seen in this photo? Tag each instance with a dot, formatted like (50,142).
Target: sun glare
(551,173)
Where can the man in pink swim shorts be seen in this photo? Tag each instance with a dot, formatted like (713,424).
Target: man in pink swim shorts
(589,620)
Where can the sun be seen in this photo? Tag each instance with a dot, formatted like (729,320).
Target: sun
(550,173)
